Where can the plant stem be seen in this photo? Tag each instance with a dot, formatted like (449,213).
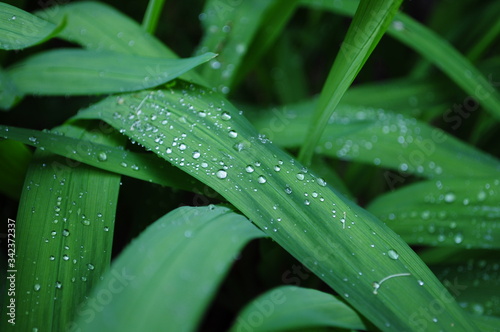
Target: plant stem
(153,12)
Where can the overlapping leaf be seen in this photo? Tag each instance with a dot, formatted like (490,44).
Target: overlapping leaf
(83,72)
(367,28)
(21,29)
(64,235)
(382,138)
(172,269)
(459,212)
(288,307)
(142,166)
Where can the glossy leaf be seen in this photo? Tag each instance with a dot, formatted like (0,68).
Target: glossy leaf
(173,268)
(80,72)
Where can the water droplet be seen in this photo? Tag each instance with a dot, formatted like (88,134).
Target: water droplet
(392,254)
(481,196)
(420,282)
(123,164)
(90,267)
(321,182)
(58,285)
(102,156)
(182,147)
(458,238)
(52,258)
(168,150)
(232,134)
(65,257)
(37,287)
(262,179)
(449,197)
(249,169)
(221,174)
(288,190)
(225,116)
(196,154)
(300,176)
(65,232)
(277,168)
(307,202)
(85,222)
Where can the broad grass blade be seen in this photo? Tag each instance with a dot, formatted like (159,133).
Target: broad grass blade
(172,270)
(84,72)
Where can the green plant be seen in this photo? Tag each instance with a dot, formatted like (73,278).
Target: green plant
(198,131)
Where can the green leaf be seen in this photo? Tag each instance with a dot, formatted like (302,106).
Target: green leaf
(382,138)
(9,94)
(436,50)
(230,28)
(21,29)
(448,212)
(172,270)
(290,308)
(64,235)
(80,72)
(99,27)
(367,28)
(14,160)
(352,251)
(475,284)
(142,166)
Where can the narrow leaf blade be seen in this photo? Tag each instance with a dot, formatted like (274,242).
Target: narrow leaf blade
(80,72)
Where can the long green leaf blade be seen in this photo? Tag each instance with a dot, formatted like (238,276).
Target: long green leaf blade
(172,269)
(82,72)
(292,308)
(448,212)
(436,50)
(344,245)
(21,29)
(381,138)
(367,28)
(142,166)
(64,230)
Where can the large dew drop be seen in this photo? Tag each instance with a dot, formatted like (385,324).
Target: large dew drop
(221,174)
(392,254)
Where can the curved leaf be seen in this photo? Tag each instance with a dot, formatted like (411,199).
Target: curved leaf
(464,212)
(81,72)
(142,166)
(172,270)
(64,236)
(382,138)
(292,308)
(21,29)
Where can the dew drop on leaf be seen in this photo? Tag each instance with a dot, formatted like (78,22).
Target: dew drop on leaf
(221,174)
(449,197)
(392,254)
(37,287)
(102,156)
(262,179)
